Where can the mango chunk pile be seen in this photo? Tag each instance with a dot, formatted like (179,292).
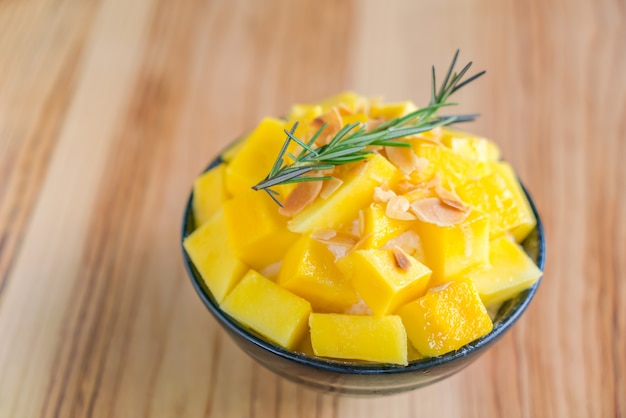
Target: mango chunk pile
(387,260)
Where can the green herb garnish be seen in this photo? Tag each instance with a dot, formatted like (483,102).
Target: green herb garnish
(350,144)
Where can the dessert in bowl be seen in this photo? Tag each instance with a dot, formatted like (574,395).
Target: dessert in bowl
(361,247)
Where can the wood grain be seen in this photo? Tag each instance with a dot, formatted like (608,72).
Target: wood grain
(108,109)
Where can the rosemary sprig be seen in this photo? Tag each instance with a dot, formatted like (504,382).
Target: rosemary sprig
(350,143)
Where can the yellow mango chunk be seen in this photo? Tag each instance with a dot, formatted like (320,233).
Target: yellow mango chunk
(341,207)
(510,272)
(347,98)
(500,195)
(391,110)
(310,111)
(256,157)
(379,228)
(301,112)
(208,194)
(230,152)
(356,337)
(309,271)
(452,167)
(382,283)
(357,117)
(445,318)
(470,146)
(258,233)
(268,309)
(450,250)
(209,249)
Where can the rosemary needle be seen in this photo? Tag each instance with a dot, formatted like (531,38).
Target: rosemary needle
(350,143)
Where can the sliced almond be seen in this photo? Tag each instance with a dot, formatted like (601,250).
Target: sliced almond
(335,123)
(406,186)
(373,123)
(344,110)
(359,308)
(301,196)
(422,164)
(397,208)
(402,259)
(434,211)
(324,234)
(340,239)
(361,222)
(360,243)
(329,187)
(271,271)
(434,182)
(409,242)
(440,287)
(383,195)
(450,198)
(403,158)
(338,251)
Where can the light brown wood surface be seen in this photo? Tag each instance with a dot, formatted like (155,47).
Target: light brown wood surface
(109,108)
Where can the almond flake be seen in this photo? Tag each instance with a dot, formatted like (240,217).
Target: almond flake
(383,195)
(402,259)
(361,222)
(397,208)
(360,243)
(373,123)
(434,182)
(340,239)
(355,228)
(403,158)
(329,187)
(450,198)
(409,242)
(301,196)
(338,251)
(422,164)
(335,123)
(406,186)
(359,308)
(324,234)
(271,271)
(344,110)
(317,122)
(434,211)
(440,287)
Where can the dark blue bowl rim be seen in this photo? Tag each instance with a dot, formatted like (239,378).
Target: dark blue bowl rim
(344,367)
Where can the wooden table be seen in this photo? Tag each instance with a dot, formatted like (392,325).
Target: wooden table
(109,108)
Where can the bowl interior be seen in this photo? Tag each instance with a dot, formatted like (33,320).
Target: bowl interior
(508,313)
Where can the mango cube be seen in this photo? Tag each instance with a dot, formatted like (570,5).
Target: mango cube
(256,157)
(511,271)
(470,146)
(379,228)
(450,250)
(309,271)
(446,318)
(382,283)
(391,110)
(356,337)
(453,168)
(347,98)
(341,207)
(258,233)
(500,195)
(209,249)
(270,310)
(208,194)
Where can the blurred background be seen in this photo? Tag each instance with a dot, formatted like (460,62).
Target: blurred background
(110,108)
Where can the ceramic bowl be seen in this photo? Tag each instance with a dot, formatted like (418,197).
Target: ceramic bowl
(353,378)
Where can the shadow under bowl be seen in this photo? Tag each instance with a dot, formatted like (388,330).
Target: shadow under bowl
(355,378)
